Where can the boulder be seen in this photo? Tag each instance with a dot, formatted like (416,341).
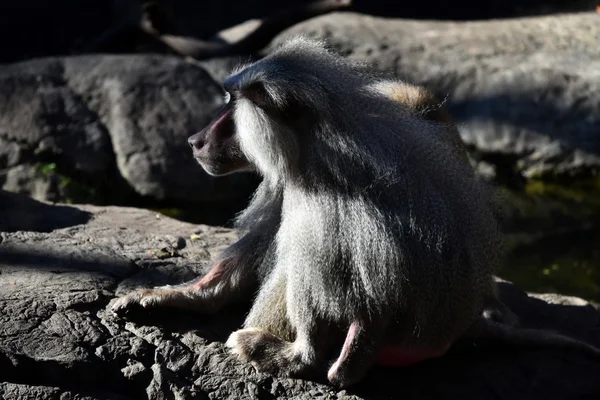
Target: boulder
(109,129)
(525,91)
(57,338)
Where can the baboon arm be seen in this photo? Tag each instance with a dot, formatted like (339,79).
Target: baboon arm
(234,277)
(213,277)
(228,281)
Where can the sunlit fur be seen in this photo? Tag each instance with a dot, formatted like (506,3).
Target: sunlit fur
(255,129)
(369,228)
(371,223)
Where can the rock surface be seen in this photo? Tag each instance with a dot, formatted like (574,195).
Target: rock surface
(109,128)
(525,91)
(60,266)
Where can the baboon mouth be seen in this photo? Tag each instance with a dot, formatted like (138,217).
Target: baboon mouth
(211,168)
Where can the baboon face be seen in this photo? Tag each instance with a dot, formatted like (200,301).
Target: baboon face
(216,147)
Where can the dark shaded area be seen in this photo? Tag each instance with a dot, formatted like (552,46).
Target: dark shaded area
(58,263)
(37,28)
(22,213)
(495,373)
(469,9)
(534,375)
(155,33)
(536,313)
(216,327)
(564,263)
(84,378)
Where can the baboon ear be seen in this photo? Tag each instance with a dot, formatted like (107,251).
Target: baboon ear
(257,94)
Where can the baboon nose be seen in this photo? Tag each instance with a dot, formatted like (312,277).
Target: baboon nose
(196,141)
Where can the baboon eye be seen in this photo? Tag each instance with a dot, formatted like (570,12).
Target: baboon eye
(227,97)
(257,93)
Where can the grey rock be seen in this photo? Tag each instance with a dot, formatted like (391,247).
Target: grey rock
(111,127)
(74,326)
(525,91)
(59,341)
(136,371)
(13,391)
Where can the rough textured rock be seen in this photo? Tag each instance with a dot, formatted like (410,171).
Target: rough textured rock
(525,91)
(108,128)
(57,340)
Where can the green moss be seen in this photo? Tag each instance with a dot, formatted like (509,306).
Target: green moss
(543,205)
(47,169)
(583,191)
(72,190)
(553,239)
(567,264)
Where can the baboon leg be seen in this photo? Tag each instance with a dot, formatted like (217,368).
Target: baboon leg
(269,353)
(359,352)
(270,308)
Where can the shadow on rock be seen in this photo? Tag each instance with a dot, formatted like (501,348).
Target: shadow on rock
(499,370)
(527,113)
(22,213)
(59,263)
(212,327)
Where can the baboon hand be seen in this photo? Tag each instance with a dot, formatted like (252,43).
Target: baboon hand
(207,295)
(157,297)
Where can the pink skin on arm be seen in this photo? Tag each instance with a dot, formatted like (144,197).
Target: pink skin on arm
(212,277)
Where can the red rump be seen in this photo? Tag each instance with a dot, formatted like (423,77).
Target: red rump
(393,356)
